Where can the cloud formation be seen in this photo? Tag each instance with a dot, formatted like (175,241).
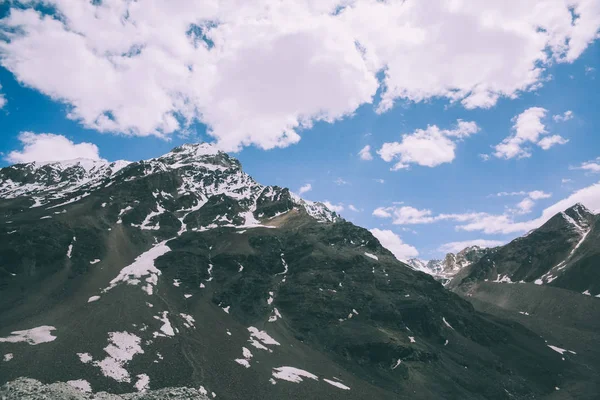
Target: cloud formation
(427,147)
(50,147)
(493,223)
(305,188)
(394,243)
(365,153)
(590,166)
(258,72)
(528,128)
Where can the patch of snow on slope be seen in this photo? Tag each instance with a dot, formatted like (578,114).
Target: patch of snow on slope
(8,357)
(292,374)
(373,256)
(70,249)
(446,323)
(247,354)
(33,336)
(141,267)
(121,349)
(166,328)
(260,339)
(95,261)
(559,350)
(337,384)
(93,298)
(189,320)
(84,357)
(81,384)
(143,383)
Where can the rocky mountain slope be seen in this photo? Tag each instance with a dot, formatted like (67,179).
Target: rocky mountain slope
(183,272)
(564,252)
(446,269)
(547,280)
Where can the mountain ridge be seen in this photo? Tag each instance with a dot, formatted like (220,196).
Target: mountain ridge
(195,275)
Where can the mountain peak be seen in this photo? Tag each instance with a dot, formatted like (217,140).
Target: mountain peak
(197,149)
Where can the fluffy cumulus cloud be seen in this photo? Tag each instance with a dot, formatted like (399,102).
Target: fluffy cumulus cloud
(488,223)
(394,243)
(405,215)
(365,153)
(566,116)
(50,147)
(427,147)
(455,247)
(305,188)
(257,72)
(590,166)
(528,128)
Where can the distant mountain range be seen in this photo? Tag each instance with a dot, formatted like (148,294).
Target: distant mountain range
(445,269)
(182,272)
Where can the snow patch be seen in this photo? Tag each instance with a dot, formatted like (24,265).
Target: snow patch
(93,298)
(33,336)
(373,256)
(143,383)
(166,328)
(292,374)
(121,348)
(337,384)
(8,357)
(141,267)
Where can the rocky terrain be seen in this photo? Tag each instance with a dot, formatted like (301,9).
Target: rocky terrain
(446,269)
(183,272)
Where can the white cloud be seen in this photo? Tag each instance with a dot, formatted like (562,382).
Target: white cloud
(2,99)
(394,243)
(539,194)
(455,247)
(351,207)
(505,223)
(257,72)
(567,180)
(550,141)
(590,166)
(427,147)
(305,188)
(528,128)
(338,208)
(525,206)
(382,212)
(365,153)
(340,182)
(484,157)
(405,215)
(535,194)
(567,115)
(380,181)
(50,147)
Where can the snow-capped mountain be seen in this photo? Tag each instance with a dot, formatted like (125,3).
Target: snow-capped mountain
(564,252)
(183,272)
(205,172)
(445,269)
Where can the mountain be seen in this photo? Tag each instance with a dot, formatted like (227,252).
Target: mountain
(183,274)
(549,281)
(564,252)
(447,268)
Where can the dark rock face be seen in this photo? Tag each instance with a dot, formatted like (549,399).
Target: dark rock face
(564,252)
(185,271)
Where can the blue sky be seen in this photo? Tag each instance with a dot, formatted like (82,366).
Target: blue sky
(435,200)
